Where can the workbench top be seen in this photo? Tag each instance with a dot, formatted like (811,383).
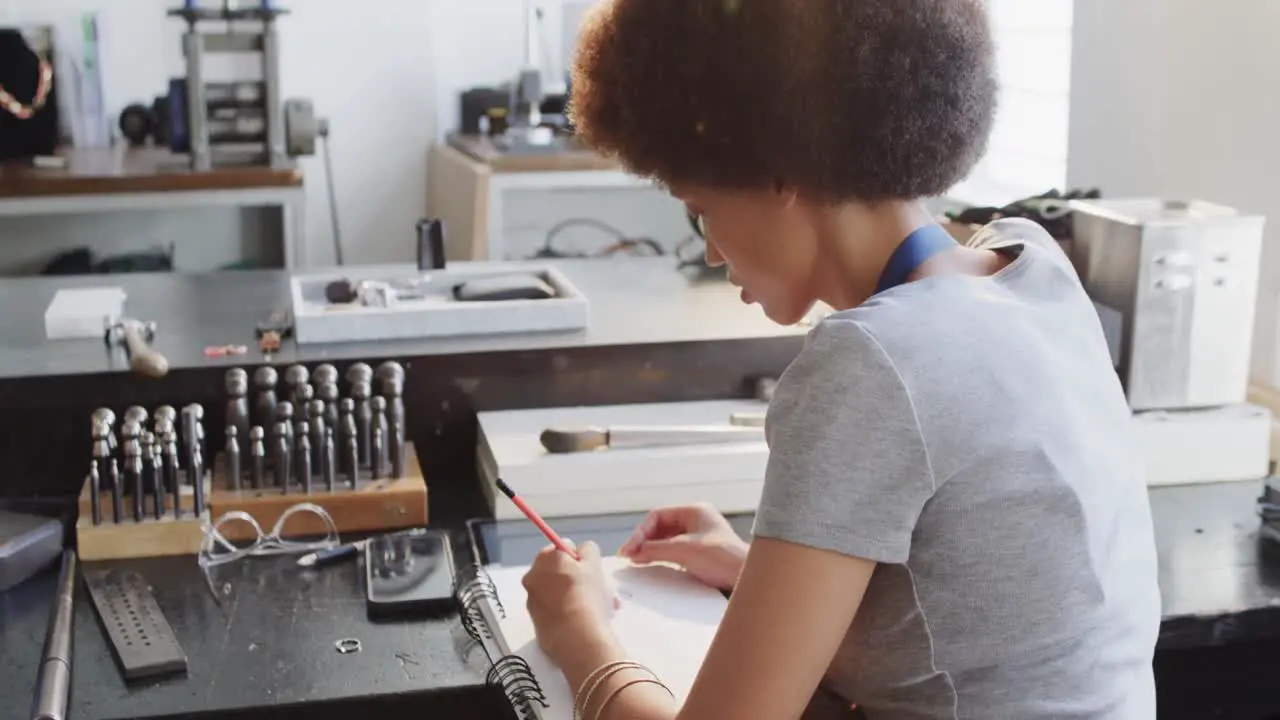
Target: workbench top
(268,647)
(115,170)
(1219,581)
(633,301)
(567,156)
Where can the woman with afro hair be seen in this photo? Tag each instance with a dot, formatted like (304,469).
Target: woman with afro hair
(954,522)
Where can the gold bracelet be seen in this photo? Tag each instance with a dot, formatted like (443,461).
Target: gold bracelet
(604,674)
(618,691)
(589,685)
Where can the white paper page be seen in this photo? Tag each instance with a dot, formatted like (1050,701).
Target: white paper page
(666,621)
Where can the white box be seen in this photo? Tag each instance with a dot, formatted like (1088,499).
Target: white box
(80,313)
(1177,447)
(315,321)
(729,475)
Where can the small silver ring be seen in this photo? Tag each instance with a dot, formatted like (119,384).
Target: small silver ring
(347,646)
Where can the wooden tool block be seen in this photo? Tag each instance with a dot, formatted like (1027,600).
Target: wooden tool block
(132,539)
(374,505)
(187,500)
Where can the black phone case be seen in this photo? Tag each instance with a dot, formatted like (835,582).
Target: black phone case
(418,607)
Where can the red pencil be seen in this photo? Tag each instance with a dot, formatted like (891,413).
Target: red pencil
(536,519)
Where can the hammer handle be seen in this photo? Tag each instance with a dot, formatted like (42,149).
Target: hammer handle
(635,436)
(142,359)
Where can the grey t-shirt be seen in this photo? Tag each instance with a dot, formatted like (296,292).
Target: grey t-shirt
(970,435)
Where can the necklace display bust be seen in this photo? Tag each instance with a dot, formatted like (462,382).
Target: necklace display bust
(28,107)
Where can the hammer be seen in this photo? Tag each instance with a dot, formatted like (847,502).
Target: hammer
(136,334)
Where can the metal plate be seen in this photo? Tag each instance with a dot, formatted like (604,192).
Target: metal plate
(143,640)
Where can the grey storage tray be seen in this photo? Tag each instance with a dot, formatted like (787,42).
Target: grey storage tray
(28,544)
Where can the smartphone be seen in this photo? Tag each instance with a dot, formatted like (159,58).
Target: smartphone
(409,574)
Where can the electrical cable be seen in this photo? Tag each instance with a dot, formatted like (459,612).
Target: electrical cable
(323,132)
(631,245)
(621,242)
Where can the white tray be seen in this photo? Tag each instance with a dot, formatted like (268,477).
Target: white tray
(315,321)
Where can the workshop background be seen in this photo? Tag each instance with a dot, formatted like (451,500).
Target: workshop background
(1128,96)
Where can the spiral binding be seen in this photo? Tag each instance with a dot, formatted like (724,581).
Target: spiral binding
(474,584)
(514,676)
(474,590)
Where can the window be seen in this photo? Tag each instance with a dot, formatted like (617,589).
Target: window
(1027,154)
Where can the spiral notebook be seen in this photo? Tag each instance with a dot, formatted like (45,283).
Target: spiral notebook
(666,621)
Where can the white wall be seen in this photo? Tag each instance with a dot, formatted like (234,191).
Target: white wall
(1176,98)
(371,73)
(389,81)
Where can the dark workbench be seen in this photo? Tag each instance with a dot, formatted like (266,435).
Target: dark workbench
(654,337)
(267,650)
(1219,581)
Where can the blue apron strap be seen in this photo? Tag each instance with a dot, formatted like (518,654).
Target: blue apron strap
(917,248)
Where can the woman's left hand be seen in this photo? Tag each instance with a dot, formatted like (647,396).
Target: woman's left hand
(570,601)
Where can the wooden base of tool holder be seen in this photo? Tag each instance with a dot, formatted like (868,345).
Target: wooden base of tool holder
(373,505)
(150,537)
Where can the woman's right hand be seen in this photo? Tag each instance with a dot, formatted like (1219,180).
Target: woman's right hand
(695,537)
